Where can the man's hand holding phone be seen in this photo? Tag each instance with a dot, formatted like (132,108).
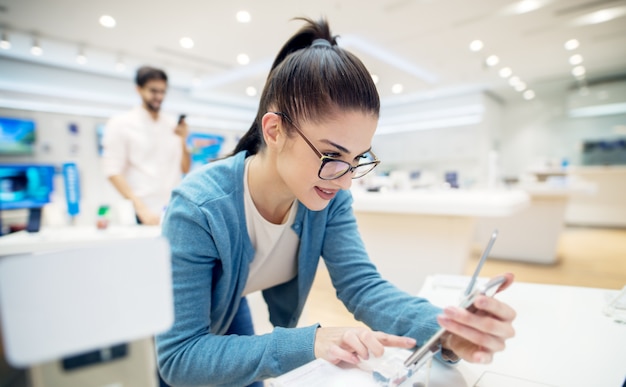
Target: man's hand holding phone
(181,128)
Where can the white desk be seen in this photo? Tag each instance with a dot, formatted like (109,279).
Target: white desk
(412,234)
(562,340)
(59,238)
(562,337)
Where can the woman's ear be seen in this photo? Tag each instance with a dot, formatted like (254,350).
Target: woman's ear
(272,130)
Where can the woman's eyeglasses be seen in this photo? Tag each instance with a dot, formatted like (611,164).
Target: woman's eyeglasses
(332,168)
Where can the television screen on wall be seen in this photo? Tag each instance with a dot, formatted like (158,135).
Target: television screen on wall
(204,148)
(25,185)
(17,136)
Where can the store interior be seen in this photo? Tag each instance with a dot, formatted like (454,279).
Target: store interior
(507,115)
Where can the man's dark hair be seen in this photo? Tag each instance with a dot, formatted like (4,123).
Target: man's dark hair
(147,73)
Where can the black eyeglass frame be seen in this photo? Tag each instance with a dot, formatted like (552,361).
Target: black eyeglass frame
(326,159)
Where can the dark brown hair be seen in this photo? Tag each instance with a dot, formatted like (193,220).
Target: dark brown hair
(310,82)
(147,73)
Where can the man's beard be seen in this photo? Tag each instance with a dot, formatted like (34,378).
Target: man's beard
(151,108)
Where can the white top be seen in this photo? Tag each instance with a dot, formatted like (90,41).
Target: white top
(452,202)
(146,152)
(276,245)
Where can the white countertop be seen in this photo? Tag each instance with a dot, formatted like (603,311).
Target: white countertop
(451,202)
(54,238)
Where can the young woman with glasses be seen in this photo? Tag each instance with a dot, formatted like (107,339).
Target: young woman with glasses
(261,219)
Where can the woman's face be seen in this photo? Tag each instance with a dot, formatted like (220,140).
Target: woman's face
(346,136)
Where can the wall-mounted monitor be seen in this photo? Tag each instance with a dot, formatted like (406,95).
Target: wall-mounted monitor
(17,136)
(25,185)
(204,148)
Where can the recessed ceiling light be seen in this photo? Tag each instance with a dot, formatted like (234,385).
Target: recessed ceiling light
(397,88)
(36,48)
(476,45)
(575,59)
(250,91)
(571,44)
(505,72)
(492,60)
(243,59)
(525,6)
(81,59)
(186,42)
(514,81)
(520,86)
(5,44)
(578,71)
(529,94)
(600,16)
(107,21)
(243,17)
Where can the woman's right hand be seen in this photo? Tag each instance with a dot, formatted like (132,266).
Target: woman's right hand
(336,344)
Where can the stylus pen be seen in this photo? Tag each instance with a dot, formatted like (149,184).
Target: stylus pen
(482,260)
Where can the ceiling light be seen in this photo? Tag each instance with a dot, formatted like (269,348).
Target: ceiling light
(81,59)
(107,21)
(528,95)
(120,65)
(186,42)
(36,48)
(575,59)
(525,6)
(5,44)
(375,79)
(492,60)
(397,88)
(505,72)
(578,71)
(571,44)
(476,45)
(250,91)
(520,86)
(243,17)
(600,16)
(514,81)
(243,59)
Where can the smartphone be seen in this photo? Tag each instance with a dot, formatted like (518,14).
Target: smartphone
(431,347)
(181,118)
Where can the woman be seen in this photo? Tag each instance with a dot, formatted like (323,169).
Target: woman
(260,220)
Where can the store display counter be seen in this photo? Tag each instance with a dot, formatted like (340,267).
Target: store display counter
(412,234)
(532,234)
(67,237)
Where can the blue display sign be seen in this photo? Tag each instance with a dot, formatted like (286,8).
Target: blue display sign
(72,188)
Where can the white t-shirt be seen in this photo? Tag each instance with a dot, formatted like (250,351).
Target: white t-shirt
(276,245)
(146,152)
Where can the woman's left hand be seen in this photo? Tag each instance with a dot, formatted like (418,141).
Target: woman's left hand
(476,336)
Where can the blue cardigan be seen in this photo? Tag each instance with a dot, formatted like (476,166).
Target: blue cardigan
(211,253)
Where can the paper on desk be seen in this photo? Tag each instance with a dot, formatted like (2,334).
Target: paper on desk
(320,373)
(492,379)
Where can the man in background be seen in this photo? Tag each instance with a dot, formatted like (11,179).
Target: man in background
(144,152)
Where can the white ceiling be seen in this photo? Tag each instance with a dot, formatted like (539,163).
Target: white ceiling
(422,44)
